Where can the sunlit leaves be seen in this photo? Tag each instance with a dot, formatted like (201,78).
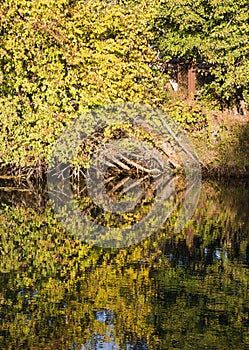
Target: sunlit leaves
(60,58)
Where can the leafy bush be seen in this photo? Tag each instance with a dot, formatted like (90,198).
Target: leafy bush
(191,115)
(60,58)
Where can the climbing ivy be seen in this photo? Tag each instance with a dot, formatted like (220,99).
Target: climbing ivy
(61,58)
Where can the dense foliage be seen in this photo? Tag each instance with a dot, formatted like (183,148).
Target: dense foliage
(60,58)
(214,33)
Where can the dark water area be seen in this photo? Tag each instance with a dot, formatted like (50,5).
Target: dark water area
(186,290)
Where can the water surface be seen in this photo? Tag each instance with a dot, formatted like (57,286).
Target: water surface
(173,291)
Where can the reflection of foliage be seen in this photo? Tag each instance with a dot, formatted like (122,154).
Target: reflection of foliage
(189,291)
(116,191)
(121,220)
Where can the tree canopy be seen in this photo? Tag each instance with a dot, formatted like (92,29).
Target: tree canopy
(214,31)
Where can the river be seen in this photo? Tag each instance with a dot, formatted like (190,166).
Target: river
(185,290)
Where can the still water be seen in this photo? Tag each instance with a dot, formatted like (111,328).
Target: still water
(172,291)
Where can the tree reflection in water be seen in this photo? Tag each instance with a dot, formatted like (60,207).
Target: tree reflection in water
(187,290)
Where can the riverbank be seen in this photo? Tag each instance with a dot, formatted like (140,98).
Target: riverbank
(223,146)
(220,137)
(221,140)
